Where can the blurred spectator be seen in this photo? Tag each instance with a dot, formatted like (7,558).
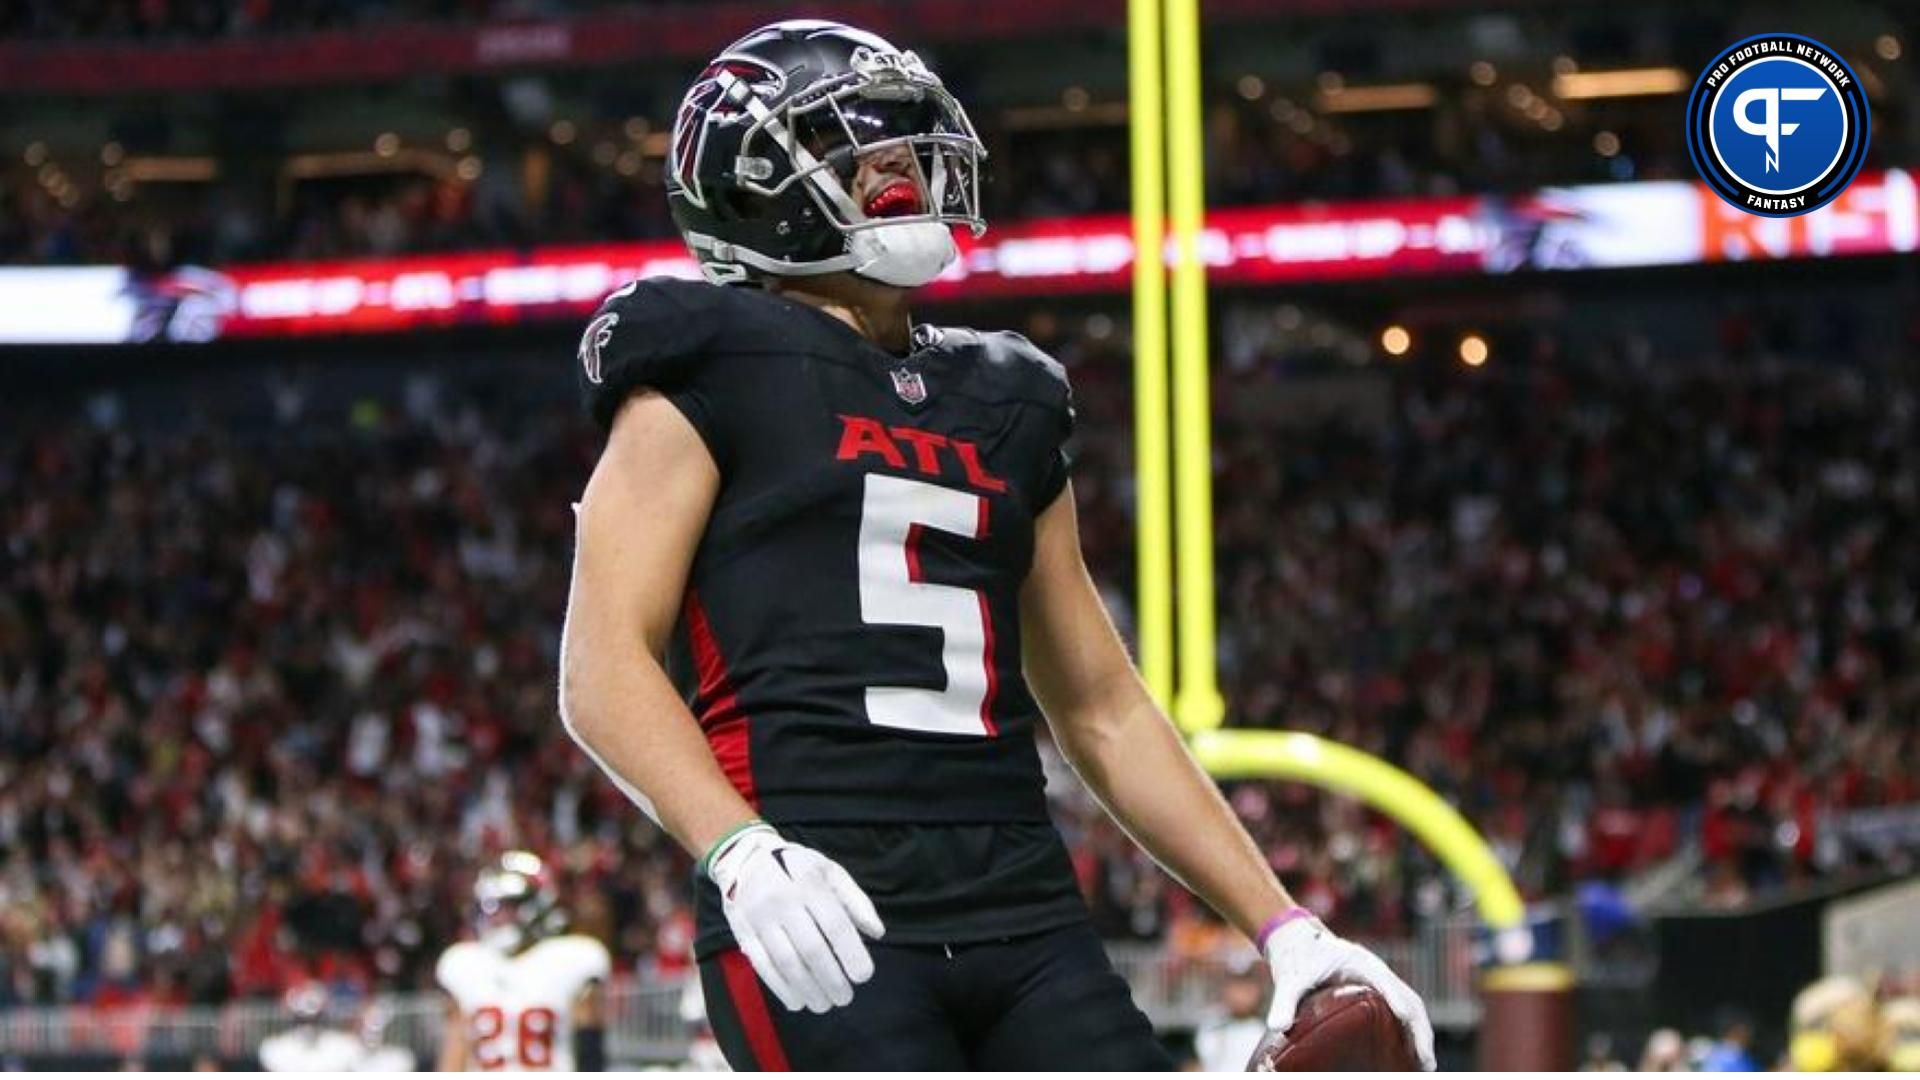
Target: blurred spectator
(1836,1028)
(1600,1056)
(1666,1051)
(1226,1042)
(1729,1052)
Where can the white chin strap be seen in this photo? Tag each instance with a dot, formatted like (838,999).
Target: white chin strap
(907,255)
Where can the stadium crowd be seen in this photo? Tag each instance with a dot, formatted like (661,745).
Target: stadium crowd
(273,682)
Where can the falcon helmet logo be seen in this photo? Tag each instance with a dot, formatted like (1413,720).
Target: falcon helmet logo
(709,103)
(910,386)
(599,332)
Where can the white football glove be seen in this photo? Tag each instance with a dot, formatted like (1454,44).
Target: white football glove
(796,915)
(1305,955)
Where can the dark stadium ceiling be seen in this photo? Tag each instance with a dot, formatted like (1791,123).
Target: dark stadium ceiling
(1354,36)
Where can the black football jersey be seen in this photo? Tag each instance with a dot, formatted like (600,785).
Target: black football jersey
(849,639)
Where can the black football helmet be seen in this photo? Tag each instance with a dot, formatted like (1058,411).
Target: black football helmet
(763,155)
(515,902)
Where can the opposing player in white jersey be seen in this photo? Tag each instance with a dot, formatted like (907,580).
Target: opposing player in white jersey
(311,1044)
(525,996)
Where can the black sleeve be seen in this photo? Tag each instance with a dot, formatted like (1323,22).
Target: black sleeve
(589,1050)
(1060,464)
(1043,385)
(653,333)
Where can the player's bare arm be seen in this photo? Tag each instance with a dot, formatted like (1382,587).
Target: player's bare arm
(797,914)
(1124,747)
(1121,743)
(639,521)
(453,1040)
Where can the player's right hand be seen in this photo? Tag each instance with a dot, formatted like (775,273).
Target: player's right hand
(1305,955)
(796,915)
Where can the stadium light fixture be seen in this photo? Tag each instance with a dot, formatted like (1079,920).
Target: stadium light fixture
(176,170)
(1396,340)
(357,163)
(1062,117)
(1384,98)
(1473,350)
(1625,82)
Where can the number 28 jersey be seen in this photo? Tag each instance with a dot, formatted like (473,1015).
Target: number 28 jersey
(518,1007)
(849,638)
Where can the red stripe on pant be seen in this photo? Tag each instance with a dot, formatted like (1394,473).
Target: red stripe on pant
(750,1002)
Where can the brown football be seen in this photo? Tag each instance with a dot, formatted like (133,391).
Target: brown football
(1341,1027)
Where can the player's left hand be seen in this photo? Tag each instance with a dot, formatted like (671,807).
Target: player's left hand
(1304,955)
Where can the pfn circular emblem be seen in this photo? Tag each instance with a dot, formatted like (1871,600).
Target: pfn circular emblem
(1777,125)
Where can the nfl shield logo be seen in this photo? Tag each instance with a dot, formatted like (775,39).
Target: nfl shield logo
(910,386)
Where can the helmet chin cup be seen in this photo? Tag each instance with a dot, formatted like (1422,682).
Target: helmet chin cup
(907,255)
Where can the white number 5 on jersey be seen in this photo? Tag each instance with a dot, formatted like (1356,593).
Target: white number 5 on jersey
(893,513)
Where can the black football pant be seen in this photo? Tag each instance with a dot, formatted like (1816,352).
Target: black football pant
(1049,1001)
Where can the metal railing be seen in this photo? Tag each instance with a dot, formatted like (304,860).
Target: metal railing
(1438,961)
(645,1023)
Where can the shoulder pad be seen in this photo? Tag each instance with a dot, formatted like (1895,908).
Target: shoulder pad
(1017,367)
(583,958)
(595,961)
(648,333)
(455,965)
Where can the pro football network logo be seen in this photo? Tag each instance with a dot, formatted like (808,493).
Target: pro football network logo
(1777,125)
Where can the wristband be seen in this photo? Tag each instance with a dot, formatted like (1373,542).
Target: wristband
(706,861)
(1268,928)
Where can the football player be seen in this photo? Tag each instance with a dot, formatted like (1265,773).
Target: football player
(827,584)
(1226,1040)
(312,1044)
(524,997)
